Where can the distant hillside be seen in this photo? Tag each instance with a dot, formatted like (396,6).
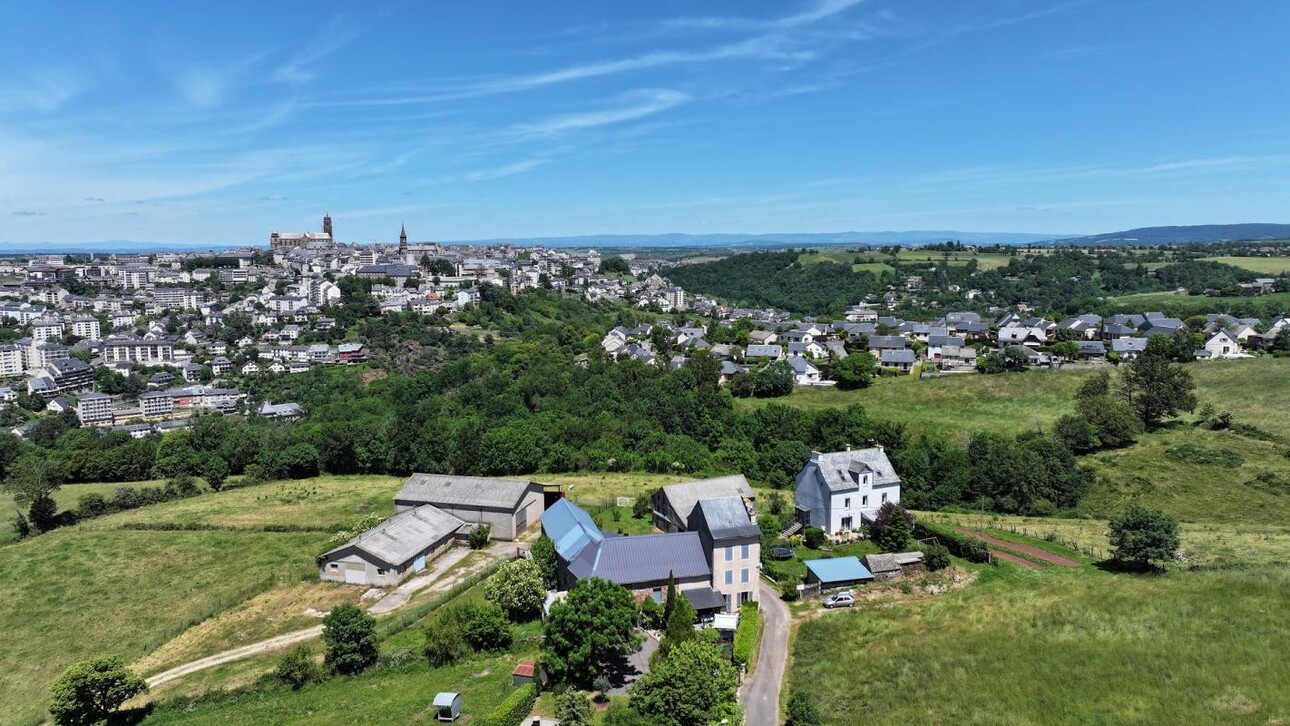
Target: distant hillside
(777,239)
(1195,233)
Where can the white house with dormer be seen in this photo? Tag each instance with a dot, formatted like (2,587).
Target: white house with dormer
(838,492)
(1222,345)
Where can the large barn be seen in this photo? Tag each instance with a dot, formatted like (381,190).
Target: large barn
(385,554)
(508,506)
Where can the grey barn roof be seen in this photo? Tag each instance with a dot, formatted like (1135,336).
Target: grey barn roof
(405,535)
(462,491)
(832,468)
(683,497)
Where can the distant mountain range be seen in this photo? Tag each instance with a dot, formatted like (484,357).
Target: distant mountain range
(1144,235)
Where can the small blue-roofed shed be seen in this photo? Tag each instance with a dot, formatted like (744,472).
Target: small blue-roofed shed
(837,572)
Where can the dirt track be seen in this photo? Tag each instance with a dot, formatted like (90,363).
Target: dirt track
(1012,547)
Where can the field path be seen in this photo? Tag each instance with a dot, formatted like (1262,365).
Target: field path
(429,581)
(761,693)
(1013,547)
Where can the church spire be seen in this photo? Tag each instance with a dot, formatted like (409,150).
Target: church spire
(403,238)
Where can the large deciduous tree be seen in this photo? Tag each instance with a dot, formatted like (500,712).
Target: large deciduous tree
(1140,536)
(594,625)
(518,588)
(1157,387)
(88,692)
(350,635)
(692,686)
(854,371)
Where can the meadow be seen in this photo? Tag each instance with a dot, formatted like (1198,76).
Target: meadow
(1194,304)
(878,263)
(953,406)
(1271,266)
(78,592)
(1076,646)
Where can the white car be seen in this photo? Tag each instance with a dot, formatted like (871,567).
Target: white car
(840,600)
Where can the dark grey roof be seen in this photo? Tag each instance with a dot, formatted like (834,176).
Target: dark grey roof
(405,535)
(465,491)
(897,356)
(645,558)
(887,341)
(705,598)
(878,564)
(726,518)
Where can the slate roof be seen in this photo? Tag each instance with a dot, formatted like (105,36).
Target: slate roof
(897,356)
(833,468)
(705,598)
(683,497)
(726,517)
(466,491)
(405,535)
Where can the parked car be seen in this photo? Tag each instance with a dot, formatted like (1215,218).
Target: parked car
(781,553)
(839,600)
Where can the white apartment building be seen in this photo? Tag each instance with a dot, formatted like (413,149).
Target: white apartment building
(94,408)
(86,327)
(138,351)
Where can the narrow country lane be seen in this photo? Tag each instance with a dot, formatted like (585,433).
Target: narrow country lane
(760,695)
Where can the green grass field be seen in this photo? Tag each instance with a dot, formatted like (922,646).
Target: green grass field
(1077,647)
(1194,304)
(1274,266)
(953,406)
(77,593)
(65,497)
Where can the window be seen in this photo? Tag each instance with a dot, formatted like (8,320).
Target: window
(730,577)
(884,496)
(743,575)
(730,553)
(334,566)
(744,553)
(657,595)
(847,523)
(846,503)
(864,501)
(380,571)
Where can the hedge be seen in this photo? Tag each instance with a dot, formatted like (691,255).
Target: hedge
(972,549)
(514,709)
(746,633)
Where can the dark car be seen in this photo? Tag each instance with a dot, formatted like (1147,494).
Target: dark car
(781,553)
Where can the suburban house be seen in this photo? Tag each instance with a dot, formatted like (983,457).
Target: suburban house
(1222,345)
(840,490)
(385,554)
(509,507)
(642,564)
(804,373)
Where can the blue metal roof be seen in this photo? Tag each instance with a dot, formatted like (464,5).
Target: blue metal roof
(839,569)
(570,528)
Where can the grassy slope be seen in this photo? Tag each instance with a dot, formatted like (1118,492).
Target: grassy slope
(953,405)
(1263,265)
(65,497)
(1202,543)
(77,593)
(1194,303)
(1096,648)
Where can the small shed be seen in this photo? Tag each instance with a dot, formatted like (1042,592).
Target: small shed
(447,706)
(837,572)
(524,673)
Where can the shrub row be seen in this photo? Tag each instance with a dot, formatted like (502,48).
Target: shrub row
(746,635)
(972,549)
(514,709)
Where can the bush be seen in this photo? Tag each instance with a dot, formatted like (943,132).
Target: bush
(92,505)
(513,710)
(445,640)
(972,549)
(650,614)
(297,668)
(519,589)
(1141,535)
(788,591)
(746,633)
(88,692)
(573,709)
(802,710)
(479,536)
(936,556)
(487,628)
(892,527)
(350,635)
(814,537)
(643,505)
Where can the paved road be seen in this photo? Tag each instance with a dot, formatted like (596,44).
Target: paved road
(430,579)
(760,695)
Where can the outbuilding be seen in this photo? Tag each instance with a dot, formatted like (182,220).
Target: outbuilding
(447,706)
(837,572)
(508,506)
(385,554)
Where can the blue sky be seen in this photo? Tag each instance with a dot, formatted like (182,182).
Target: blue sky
(218,122)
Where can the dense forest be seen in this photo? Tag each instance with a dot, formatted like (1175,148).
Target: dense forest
(1065,281)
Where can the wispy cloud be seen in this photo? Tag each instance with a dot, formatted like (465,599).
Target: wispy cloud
(654,101)
(273,198)
(43,91)
(28,213)
(335,34)
(817,12)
